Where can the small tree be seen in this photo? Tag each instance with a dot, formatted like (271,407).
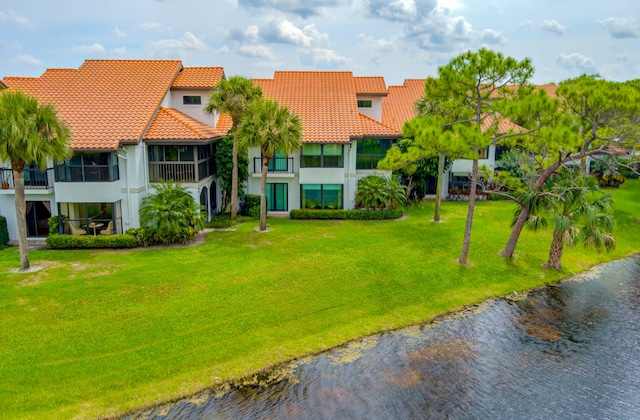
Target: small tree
(171,211)
(224,165)
(29,132)
(380,192)
(577,213)
(233,96)
(272,128)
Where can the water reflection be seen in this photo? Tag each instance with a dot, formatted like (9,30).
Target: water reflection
(564,351)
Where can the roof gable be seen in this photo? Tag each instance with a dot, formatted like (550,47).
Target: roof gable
(325,101)
(171,124)
(104,102)
(373,85)
(198,78)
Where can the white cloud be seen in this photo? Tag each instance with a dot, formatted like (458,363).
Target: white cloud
(576,61)
(155,27)
(379,45)
(303,8)
(259,51)
(118,51)
(26,59)
(11,16)
(399,10)
(326,58)
(87,49)
(440,31)
(117,32)
(452,4)
(252,34)
(489,36)
(286,32)
(222,50)
(621,27)
(177,46)
(553,26)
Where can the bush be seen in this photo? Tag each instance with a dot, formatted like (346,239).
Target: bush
(58,241)
(152,236)
(4,232)
(252,205)
(347,214)
(53,224)
(611,180)
(223,221)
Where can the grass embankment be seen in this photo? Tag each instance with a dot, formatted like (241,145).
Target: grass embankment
(102,332)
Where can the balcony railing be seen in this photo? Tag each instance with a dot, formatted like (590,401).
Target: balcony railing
(276,165)
(34,179)
(178,172)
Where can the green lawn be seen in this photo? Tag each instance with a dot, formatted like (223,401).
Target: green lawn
(102,332)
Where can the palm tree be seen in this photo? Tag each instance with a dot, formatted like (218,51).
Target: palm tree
(29,132)
(232,96)
(378,191)
(272,128)
(170,209)
(576,213)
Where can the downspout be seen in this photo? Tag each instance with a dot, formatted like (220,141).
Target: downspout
(126,171)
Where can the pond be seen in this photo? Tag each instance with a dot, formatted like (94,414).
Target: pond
(564,351)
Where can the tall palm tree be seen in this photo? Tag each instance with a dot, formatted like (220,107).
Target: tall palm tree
(577,214)
(29,132)
(232,96)
(272,128)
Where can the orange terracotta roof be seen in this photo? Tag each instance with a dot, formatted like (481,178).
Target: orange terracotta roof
(325,101)
(374,85)
(104,102)
(224,123)
(373,128)
(504,124)
(399,105)
(550,89)
(198,78)
(171,124)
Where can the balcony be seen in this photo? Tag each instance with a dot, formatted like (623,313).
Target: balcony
(34,179)
(178,172)
(277,165)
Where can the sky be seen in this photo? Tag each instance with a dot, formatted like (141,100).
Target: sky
(397,39)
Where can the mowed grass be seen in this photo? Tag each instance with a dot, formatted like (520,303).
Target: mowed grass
(102,332)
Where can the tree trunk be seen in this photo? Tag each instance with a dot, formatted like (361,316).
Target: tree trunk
(472,205)
(436,214)
(234,177)
(555,253)
(21,213)
(510,248)
(263,194)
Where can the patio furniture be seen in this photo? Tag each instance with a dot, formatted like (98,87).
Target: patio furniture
(76,231)
(108,230)
(95,226)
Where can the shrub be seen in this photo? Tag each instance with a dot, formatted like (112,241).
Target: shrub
(4,232)
(252,205)
(378,191)
(152,236)
(611,180)
(58,241)
(347,214)
(53,224)
(222,221)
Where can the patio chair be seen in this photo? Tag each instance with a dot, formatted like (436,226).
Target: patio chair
(108,230)
(76,231)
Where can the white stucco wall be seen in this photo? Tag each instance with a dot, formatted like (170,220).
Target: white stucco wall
(375,111)
(194,111)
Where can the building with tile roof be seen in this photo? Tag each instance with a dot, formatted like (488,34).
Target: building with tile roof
(342,141)
(133,122)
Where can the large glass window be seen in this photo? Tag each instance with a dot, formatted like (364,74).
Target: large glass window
(321,156)
(371,151)
(277,197)
(321,196)
(89,167)
(192,100)
(92,217)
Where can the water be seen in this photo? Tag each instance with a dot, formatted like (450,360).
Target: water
(566,351)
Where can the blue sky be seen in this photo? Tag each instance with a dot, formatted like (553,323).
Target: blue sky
(396,39)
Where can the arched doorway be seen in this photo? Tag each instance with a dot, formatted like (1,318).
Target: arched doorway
(213,203)
(203,200)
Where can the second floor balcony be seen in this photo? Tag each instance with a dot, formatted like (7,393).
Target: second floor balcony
(277,165)
(34,179)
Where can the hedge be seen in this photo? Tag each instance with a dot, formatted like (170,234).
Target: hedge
(347,214)
(58,241)
(4,232)
(252,205)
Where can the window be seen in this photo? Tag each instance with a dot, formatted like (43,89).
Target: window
(321,156)
(371,151)
(192,100)
(484,153)
(89,167)
(321,196)
(277,197)
(364,104)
